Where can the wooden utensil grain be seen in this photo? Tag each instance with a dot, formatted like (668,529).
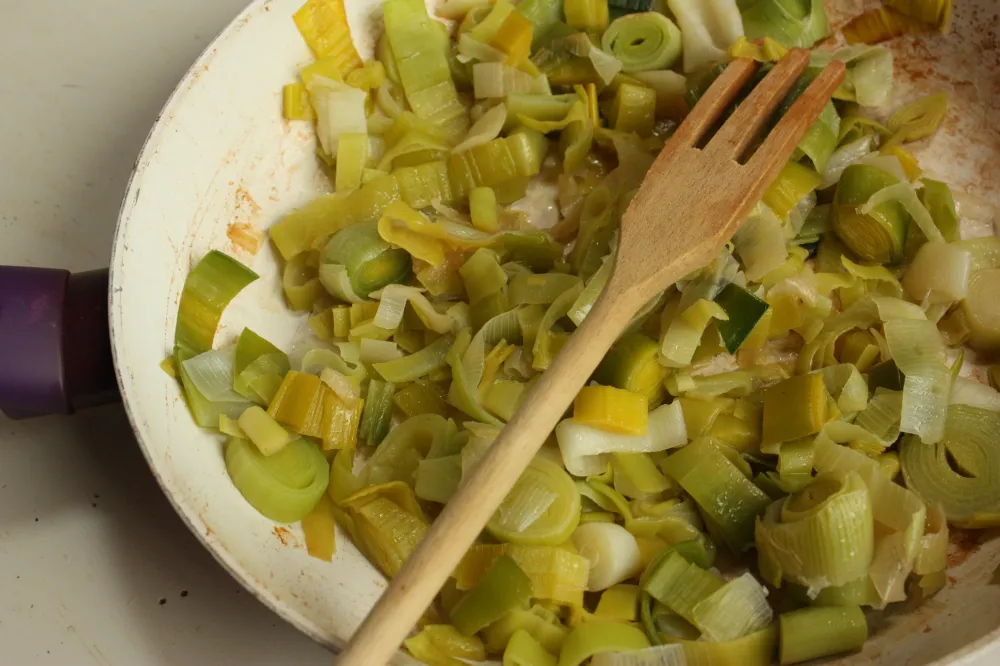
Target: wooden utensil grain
(688,207)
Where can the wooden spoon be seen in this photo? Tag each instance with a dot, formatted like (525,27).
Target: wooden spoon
(688,207)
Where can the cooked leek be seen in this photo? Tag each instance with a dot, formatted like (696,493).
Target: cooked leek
(744,311)
(800,23)
(323,24)
(721,490)
(643,41)
(708,29)
(370,261)
(595,637)
(285,486)
(423,67)
(556,573)
(502,588)
(542,509)
(612,409)
(632,365)
(821,536)
(812,633)
(612,551)
(375,420)
(739,608)
(794,408)
(444,645)
(208,289)
(586,15)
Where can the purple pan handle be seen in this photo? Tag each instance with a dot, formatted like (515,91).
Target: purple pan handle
(55,349)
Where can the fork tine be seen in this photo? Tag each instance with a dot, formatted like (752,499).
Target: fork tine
(794,124)
(754,112)
(719,96)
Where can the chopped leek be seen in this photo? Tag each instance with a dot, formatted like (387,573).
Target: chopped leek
(598,636)
(444,645)
(323,25)
(799,23)
(502,588)
(208,289)
(285,486)
(375,420)
(812,633)
(744,311)
(542,509)
(612,551)
(586,15)
(370,261)
(611,409)
(720,489)
(632,365)
(709,28)
(523,650)
(737,609)
(643,41)
(556,573)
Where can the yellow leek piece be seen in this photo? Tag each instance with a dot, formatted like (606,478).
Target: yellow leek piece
(444,645)
(917,120)
(500,353)
(539,622)
(265,433)
(319,530)
(612,409)
(619,602)
(765,50)
(592,638)
(587,15)
(513,37)
(389,524)
(483,208)
(794,183)
(420,398)
(933,12)
(881,24)
(909,161)
(794,408)
(295,103)
(367,78)
(309,407)
(556,574)
(327,68)
(300,283)
(633,109)
(524,650)
(323,24)
(352,155)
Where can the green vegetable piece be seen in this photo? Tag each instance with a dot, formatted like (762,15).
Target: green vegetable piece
(377,414)
(371,262)
(744,310)
(644,41)
(885,375)
(208,289)
(789,22)
(794,408)
(812,633)
(502,588)
(937,198)
(879,236)
(633,364)
(285,486)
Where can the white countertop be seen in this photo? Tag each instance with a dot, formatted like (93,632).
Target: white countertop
(95,567)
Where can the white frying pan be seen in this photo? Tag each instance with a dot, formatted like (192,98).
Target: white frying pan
(220,166)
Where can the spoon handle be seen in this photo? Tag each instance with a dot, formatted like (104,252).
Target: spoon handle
(454,531)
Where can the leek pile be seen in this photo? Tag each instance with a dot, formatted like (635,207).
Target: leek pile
(746,440)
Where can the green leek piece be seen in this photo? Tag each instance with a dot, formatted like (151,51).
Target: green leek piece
(878,236)
(503,398)
(416,438)
(860,592)
(483,209)
(540,623)
(744,310)
(416,365)
(443,644)
(679,584)
(482,275)
(789,22)
(295,103)
(756,649)
(464,390)
(389,524)
(437,479)
(812,633)
(642,41)
(633,365)
(885,375)
(961,471)
(543,289)
(323,25)
(937,198)
(265,433)
(739,608)
(423,68)
(497,162)
(504,587)
(371,262)
(207,382)
(633,109)
(819,537)
(557,574)
(917,120)
(352,157)
(306,405)
(256,365)
(537,107)
(720,489)
(542,509)
(794,408)
(488,308)
(535,249)
(595,637)
(208,289)
(543,15)
(546,346)
(636,475)
(285,486)
(524,650)
(300,283)
(377,415)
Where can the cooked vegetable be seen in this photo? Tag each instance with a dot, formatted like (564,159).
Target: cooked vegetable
(811,633)
(471,228)
(285,486)
(643,41)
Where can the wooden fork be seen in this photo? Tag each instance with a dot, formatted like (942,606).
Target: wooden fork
(688,207)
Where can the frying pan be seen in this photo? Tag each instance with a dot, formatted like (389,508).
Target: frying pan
(220,166)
